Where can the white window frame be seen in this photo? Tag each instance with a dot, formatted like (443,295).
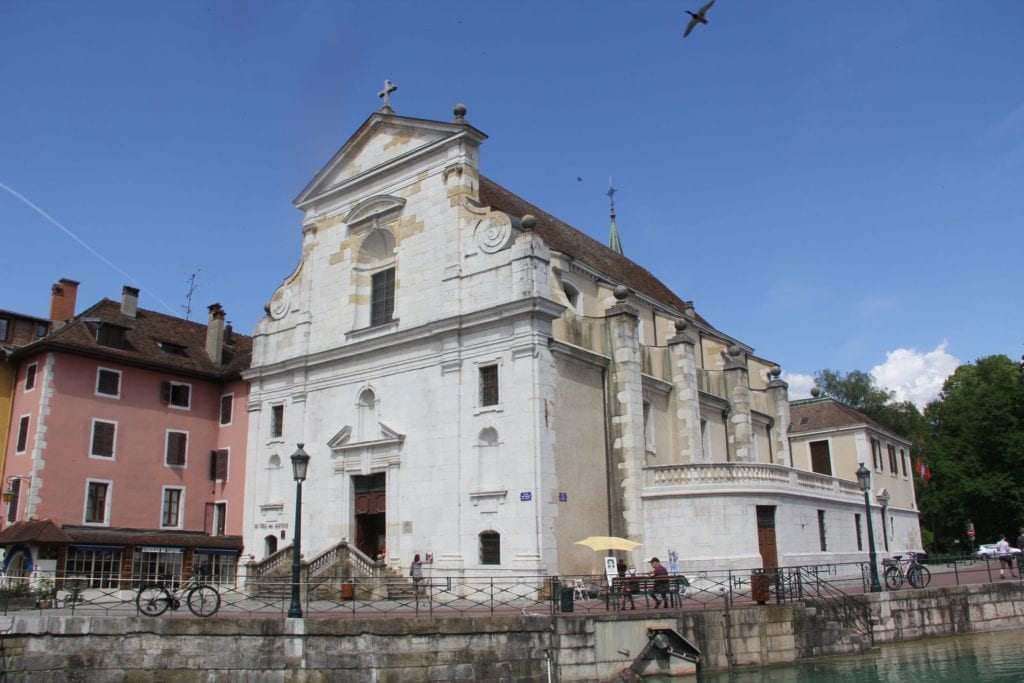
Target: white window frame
(831,458)
(271,437)
(216,517)
(478,387)
(170,397)
(106,504)
(92,440)
(227,472)
(34,368)
(220,410)
(28,433)
(167,435)
(181,506)
(120,377)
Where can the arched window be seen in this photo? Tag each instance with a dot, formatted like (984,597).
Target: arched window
(269,545)
(367,416)
(376,276)
(572,293)
(488,464)
(274,463)
(488,436)
(490,547)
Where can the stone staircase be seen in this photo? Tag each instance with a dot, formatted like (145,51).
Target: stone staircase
(339,573)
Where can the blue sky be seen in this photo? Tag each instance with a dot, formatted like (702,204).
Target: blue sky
(839,185)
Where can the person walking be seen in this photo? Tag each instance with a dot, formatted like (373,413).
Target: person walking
(416,572)
(1005,558)
(1020,555)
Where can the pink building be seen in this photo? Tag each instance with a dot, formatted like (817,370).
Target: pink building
(126,448)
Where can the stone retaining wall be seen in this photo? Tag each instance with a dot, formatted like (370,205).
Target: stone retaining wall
(34,646)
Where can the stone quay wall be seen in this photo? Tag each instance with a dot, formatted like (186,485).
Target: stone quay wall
(577,647)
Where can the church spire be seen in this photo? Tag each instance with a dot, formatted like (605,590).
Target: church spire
(613,239)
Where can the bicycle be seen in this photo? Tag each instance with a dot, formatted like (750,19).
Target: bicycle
(155,598)
(898,570)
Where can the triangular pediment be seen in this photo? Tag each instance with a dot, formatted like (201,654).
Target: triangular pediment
(383,141)
(344,439)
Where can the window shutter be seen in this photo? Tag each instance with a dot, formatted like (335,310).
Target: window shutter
(165,392)
(219,465)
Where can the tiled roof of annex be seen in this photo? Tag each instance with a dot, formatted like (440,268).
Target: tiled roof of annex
(151,339)
(819,414)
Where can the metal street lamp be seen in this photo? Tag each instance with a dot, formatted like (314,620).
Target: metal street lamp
(864,481)
(883,500)
(300,463)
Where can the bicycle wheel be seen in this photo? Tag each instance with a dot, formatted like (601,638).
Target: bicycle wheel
(893,578)
(153,600)
(919,576)
(203,601)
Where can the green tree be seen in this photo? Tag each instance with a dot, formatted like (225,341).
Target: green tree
(858,389)
(974,445)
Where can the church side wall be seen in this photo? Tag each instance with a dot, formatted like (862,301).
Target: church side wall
(581,464)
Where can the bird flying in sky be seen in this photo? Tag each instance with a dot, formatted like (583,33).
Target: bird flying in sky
(697,18)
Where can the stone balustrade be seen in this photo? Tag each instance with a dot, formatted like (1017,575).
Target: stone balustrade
(741,474)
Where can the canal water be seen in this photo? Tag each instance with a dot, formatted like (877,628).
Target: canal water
(981,658)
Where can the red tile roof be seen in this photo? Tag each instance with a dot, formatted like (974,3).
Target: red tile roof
(33,531)
(816,414)
(566,239)
(143,336)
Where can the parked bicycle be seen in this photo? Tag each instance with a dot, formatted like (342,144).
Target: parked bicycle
(155,598)
(899,569)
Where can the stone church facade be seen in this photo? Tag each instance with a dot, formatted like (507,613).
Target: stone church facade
(479,382)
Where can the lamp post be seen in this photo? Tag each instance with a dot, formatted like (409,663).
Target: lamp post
(864,481)
(883,500)
(300,463)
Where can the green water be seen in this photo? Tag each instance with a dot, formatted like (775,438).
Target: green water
(981,658)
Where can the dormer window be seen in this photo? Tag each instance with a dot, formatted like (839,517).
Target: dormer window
(174,349)
(110,335)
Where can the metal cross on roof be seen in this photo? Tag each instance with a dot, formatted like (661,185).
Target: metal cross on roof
(389,88)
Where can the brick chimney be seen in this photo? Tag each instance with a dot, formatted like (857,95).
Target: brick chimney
(62,302)
(215,333)
(129,301)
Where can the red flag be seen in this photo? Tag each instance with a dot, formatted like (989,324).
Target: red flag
(923,470)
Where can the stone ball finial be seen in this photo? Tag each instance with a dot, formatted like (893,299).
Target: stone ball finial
(815,392)
(775,371)
(681,325)
(621,292)
(460,111)
(528,222)
(734,350)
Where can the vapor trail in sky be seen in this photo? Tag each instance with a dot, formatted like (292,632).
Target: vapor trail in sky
(76,238)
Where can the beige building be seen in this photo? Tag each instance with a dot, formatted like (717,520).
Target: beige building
(831,438)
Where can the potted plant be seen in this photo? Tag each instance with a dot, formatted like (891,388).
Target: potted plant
(45,591)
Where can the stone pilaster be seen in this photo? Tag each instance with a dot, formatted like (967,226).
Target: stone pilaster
(682,347)
(626,409)
(778,397)
(739,426)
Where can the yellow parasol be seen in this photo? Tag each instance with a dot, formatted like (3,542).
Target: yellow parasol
(608,543)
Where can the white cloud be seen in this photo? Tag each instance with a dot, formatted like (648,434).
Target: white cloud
(914,376)
(799,385)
